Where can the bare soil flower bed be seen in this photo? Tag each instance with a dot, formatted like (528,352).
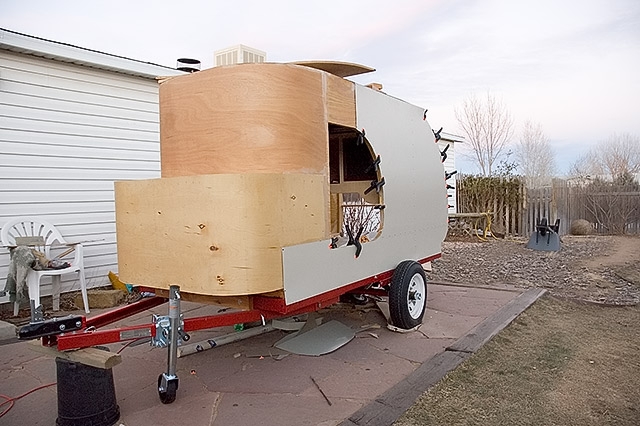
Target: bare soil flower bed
(603,269)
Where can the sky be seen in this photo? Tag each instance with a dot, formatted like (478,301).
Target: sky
(573,66)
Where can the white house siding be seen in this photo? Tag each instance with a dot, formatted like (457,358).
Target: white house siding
(67,132)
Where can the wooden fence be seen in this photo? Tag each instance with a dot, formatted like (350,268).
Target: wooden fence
(610,209)
(501,197)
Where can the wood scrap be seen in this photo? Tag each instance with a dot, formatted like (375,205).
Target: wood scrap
(93,357)
(321,391)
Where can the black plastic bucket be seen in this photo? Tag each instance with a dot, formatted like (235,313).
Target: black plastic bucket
(86,395)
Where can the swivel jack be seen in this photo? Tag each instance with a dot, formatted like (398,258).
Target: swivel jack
(171,329)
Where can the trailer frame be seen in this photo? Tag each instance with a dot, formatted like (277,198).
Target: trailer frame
(172,330)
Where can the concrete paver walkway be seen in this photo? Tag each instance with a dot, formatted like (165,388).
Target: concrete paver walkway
(228,385)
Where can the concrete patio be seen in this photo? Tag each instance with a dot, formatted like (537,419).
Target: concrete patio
(371,380)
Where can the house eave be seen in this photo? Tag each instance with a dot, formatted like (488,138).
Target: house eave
(449,137)
(35,46)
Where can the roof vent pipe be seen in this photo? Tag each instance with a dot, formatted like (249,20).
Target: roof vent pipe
(188,65)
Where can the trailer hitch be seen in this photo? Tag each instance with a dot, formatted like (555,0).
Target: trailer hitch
(39,327)
(51,327)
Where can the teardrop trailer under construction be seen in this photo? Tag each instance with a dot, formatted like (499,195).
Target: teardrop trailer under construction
(284,187)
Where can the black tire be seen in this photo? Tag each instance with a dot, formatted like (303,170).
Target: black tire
(168,395)
(408,295)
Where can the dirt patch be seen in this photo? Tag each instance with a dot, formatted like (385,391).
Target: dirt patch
(559,363)
(603,269)
(69,302)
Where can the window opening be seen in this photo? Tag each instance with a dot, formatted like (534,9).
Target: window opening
(356,206)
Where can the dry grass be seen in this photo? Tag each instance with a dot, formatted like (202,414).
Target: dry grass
(559,363)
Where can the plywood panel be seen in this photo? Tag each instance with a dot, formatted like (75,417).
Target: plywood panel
(265,118)
(236,302)
(216,235)
(341,101)
(340,69)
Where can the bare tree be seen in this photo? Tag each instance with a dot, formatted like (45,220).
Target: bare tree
(579,170)
(606,177)
(488,127)
(534,156)
(621,154)
(618,156)
(612,205)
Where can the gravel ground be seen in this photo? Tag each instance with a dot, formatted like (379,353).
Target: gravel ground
(601,269)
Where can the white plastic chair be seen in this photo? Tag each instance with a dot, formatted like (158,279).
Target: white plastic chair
(35,227)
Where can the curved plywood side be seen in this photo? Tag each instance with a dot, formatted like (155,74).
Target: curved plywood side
(341,101)
(265,118)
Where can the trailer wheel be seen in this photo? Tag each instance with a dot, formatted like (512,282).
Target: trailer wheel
(168,395)
(408,295)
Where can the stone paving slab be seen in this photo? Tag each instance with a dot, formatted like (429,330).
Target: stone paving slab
(7,331)
(223,386)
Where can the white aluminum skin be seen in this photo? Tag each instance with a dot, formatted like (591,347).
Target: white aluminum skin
(415,217)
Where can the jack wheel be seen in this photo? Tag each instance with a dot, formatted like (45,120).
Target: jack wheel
(168,395)
(408,295)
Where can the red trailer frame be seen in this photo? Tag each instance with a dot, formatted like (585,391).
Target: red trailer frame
(76,332)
